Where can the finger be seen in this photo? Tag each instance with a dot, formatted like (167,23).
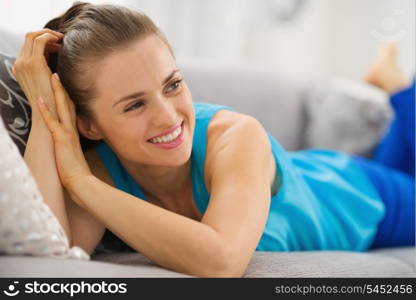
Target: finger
(61,100)
(39,44)
(51,122)
(72,112)
(52,47)
(27,47)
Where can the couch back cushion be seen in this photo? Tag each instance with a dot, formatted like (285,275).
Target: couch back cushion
(273,99)
(10,43)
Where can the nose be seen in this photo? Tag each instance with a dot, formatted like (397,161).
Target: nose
(164,114)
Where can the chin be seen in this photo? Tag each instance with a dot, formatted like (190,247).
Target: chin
(175,159)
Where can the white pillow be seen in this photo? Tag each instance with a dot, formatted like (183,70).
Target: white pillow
(27,225)
(347,116)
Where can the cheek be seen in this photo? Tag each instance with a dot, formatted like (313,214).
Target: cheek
(191,123)
(186,102)
(126,131)
(187,95)
(134,131)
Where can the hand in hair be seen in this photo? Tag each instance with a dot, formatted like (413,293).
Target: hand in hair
(70,160)
(31,69)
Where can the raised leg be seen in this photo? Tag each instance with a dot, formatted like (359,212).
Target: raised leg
(397,148)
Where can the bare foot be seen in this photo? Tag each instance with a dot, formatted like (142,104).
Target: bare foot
(385,73)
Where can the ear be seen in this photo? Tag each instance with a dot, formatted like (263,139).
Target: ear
(88,129)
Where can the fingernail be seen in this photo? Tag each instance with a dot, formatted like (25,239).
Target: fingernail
(41,100)
(56,76)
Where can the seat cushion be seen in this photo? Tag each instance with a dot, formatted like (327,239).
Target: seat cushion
(326,264)
(404,254)
(307,263)
(29,266)
(263,264)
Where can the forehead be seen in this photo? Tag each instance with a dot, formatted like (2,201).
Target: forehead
(138,67)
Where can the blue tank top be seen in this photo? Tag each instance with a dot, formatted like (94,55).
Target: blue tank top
(324,200)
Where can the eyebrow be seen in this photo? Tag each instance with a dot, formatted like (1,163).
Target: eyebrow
(139,94)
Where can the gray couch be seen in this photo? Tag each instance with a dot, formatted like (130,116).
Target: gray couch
(279,103)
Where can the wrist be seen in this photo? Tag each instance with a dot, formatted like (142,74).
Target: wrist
(36,116)
(76,187)
(36,119)
(38,130)
(79,183)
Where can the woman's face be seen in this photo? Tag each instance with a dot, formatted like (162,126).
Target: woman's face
(140,96)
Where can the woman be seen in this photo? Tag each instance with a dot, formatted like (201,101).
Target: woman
(195,187)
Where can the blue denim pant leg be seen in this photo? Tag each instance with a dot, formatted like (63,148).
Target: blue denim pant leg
(397,148)
(397,191)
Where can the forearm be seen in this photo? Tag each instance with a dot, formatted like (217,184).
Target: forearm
(169,239)
(40,158)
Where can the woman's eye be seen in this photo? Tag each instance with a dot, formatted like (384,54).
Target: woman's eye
(175,85)
(134,106)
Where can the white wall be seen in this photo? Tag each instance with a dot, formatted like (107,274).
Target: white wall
(360,27)
(328,38)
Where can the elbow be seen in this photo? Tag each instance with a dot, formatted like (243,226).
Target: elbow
(225,265)
(229,270)
(229,273)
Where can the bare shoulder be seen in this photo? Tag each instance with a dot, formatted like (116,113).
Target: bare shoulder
(97,167)
(230,131)
(225,120)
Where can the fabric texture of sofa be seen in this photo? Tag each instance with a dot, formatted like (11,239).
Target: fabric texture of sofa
(279,103)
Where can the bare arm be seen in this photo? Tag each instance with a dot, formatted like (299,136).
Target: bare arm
(87,230)
(39,156)
(169,239)
(33,75)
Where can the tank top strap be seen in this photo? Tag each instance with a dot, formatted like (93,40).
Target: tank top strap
(203,115)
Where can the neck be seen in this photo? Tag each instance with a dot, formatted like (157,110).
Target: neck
(161,182)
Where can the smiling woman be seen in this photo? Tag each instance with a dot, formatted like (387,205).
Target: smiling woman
(159,105)
(195,187)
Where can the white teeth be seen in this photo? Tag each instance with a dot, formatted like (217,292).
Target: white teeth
(167,138)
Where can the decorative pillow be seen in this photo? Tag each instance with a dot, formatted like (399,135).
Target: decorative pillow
(27,225)
(346,116)
(14,107)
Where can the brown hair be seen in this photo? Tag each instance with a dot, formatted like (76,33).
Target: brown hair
(92,32)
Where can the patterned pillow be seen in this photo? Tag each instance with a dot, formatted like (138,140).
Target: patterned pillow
(14,107)
(27,225)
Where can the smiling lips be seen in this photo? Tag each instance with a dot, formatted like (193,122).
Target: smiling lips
(167,132)
(170,138)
